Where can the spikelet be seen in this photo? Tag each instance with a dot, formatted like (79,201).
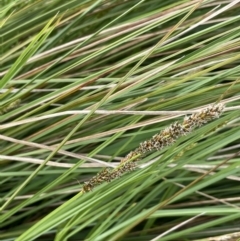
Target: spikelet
(169,135)
(9,107)
(163,139)
(107,175)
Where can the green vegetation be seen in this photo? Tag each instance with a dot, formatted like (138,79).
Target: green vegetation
(83,83)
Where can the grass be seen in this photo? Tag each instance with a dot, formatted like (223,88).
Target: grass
(83,83)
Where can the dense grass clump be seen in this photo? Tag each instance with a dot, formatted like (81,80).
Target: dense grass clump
(99,104)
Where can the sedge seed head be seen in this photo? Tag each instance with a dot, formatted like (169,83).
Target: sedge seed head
(165,138)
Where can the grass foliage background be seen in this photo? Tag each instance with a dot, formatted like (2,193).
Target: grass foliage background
(83,83)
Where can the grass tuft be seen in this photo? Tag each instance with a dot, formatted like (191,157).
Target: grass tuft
(83,83)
